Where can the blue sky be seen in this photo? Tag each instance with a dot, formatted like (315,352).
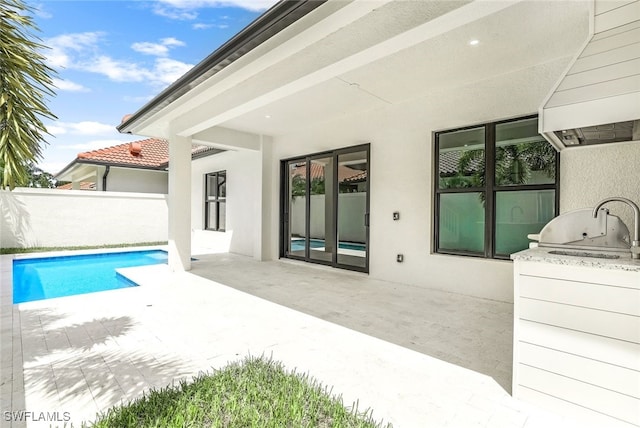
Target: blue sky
(114,56)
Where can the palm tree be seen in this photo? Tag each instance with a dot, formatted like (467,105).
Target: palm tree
(25,81)
(513,165)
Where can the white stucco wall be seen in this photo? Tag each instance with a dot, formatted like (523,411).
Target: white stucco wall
(52,217)
(401,175)
(134,180)
(592,173)
(242,208)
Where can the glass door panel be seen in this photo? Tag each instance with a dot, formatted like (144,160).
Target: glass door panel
(352,212)
(320,207)
(325,211)
(296,209)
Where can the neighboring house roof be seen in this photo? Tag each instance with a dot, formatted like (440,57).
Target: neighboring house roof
(449,163)
(149,153)
(84,185)
(152,153)
(345,173)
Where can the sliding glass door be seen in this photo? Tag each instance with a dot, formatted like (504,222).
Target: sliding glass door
(325,208)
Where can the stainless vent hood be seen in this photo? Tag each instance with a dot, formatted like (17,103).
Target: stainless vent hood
(597,100)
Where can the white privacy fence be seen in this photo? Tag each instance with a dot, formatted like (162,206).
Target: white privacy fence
(56,218)
(351,210)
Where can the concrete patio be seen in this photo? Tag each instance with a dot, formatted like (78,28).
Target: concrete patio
(80,355)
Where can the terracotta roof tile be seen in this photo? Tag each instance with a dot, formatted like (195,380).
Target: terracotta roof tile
(345,173)
(150,153)
(84,185)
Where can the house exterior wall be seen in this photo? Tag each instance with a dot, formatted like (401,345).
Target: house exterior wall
(590,174)
(57,218)
(242,208)
(134,180)
(401,176)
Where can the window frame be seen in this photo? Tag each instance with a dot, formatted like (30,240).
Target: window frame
(216,200)
(490,189)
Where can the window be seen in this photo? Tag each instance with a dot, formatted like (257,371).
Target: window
(215,200)
(494,184)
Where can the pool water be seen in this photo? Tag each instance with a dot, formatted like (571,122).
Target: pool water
(46,278)
(298,245)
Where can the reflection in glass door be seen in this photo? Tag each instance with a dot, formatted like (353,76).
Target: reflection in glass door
(352,212)
(325,210)
(296,209)
(321,204)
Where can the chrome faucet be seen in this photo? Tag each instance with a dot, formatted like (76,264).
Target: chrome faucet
(635,244)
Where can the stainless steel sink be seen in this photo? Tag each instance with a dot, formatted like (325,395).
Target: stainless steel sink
(584,254)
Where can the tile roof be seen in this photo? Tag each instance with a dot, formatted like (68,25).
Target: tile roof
(345,173)
(449,163)
(149,153)
(84,185)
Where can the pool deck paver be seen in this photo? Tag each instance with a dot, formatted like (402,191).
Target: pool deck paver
(83,354)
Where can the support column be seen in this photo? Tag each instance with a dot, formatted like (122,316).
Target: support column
(179,203)
(262,249)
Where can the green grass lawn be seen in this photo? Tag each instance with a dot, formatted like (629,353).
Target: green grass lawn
(256,392)
(86,247)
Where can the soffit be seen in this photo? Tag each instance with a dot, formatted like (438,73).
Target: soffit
(551,31)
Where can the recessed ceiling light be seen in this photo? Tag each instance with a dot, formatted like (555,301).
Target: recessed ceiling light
(474,42)
(267,116)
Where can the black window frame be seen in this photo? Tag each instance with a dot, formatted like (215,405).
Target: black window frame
(490,189)
(214,199)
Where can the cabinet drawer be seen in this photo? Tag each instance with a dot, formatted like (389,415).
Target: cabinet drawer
(595,296)
(609,324)
(588,418)
(593,275)
(608,376)
(601,400)
(605,349)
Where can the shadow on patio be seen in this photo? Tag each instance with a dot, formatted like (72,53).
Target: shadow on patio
(90,363)
(470,332)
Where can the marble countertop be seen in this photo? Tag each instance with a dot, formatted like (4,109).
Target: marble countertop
(542,254)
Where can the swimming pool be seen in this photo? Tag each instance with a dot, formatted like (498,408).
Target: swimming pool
(49,277)
(298,245)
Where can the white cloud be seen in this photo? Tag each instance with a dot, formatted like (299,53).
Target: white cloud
(67,85)
(172,41)
(163,71)
(168,70)
(185,9)
(150,48)
(157,49)
(52,167)
(173,13)
(201,26)
(65,47)
(81,52)
(40,12)
(138,100)
(80,128)
(119,71)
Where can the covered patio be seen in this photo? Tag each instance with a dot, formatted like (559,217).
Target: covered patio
(467,331)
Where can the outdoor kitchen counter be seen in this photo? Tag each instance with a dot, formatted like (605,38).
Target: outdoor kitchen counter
(541,254)
(576,349)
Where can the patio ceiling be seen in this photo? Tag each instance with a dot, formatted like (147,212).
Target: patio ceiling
(368,55)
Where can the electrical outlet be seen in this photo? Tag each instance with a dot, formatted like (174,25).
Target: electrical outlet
(400,258)
(396,215)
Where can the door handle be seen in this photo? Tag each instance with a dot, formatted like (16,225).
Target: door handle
(366,220)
